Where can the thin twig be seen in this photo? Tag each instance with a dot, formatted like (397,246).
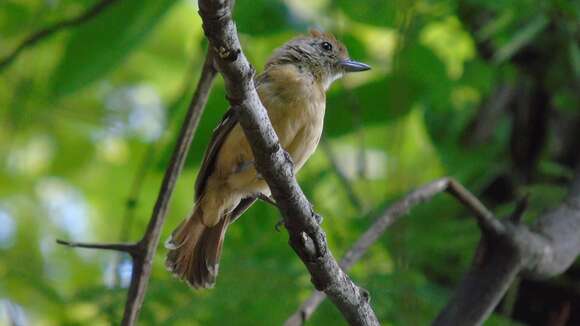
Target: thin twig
(142,264)
(144,250)
(40,35)
(148,157)
(130,248)
(387,218)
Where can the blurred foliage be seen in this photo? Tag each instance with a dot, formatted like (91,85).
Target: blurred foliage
(82,112)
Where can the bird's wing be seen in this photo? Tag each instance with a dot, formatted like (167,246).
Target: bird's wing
(220,134)
(218,137)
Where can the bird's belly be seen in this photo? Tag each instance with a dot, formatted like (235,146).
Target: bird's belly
(306,139)
(298,127)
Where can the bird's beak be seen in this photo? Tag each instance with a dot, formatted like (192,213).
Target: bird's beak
(353,66)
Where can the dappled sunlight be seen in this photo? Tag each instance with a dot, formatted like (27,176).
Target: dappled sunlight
(65,206)
(135,111)
(7,227)
(450,42)
(90,115)
(32,156)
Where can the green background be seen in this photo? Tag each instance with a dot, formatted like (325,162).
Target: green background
(89,118)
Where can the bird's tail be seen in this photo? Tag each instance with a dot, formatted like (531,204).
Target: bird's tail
(195,249)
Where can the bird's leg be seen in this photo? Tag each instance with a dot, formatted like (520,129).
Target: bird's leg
(267,199)
(272,202)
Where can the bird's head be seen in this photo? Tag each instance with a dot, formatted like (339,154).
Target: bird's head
(319,54)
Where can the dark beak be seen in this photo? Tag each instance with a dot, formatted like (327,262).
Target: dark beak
(353,66)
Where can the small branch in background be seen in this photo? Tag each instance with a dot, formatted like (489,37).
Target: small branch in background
(147,246)
(485,121)
(40,35)
(273,163)
(544,250)
(130,248)
(506,250)
(342,177)
(386,219)
(148,158)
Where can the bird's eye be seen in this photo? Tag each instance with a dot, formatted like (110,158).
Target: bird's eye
(326,46)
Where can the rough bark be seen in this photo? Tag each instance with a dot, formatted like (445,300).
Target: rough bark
(544,250)
(275,165)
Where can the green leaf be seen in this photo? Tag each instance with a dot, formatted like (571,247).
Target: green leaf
(375,12)
(521,38)
(98,46)
(262,17)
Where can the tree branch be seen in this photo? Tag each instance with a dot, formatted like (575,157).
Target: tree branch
(143,251)
(142,264)
(545,249)
(130,248)
(507,249)
(274,164)
(386,219)
(40,35)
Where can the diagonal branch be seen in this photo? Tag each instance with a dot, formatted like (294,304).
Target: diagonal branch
(386,219)
(142,264)
(274,164)
(545,249)
(40,35)
(507,249)
(144,250)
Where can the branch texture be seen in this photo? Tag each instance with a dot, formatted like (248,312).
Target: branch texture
(545,249)
(386,219)
(507,249)
(275,165)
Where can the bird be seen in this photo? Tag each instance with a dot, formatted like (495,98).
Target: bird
(292,88)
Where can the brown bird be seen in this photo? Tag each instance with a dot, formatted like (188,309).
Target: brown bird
(293,90)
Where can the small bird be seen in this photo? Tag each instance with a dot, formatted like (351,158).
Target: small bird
(292,88)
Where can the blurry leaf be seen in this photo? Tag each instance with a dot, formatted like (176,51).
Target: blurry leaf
(12,15)
(521,38)
(377,102)
(376,12)
(575,58)
(496,25)
(566,100)
(97,47)
(356,48)
(261,17)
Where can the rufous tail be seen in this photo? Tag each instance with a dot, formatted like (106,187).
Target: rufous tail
(195,249)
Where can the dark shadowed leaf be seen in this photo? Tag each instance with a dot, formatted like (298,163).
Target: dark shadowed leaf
(262,17)
(98,46)
(376,12)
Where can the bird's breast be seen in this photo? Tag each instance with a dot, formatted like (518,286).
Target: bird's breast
(297,116)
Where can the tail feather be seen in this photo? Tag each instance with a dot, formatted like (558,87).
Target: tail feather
(195,249)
